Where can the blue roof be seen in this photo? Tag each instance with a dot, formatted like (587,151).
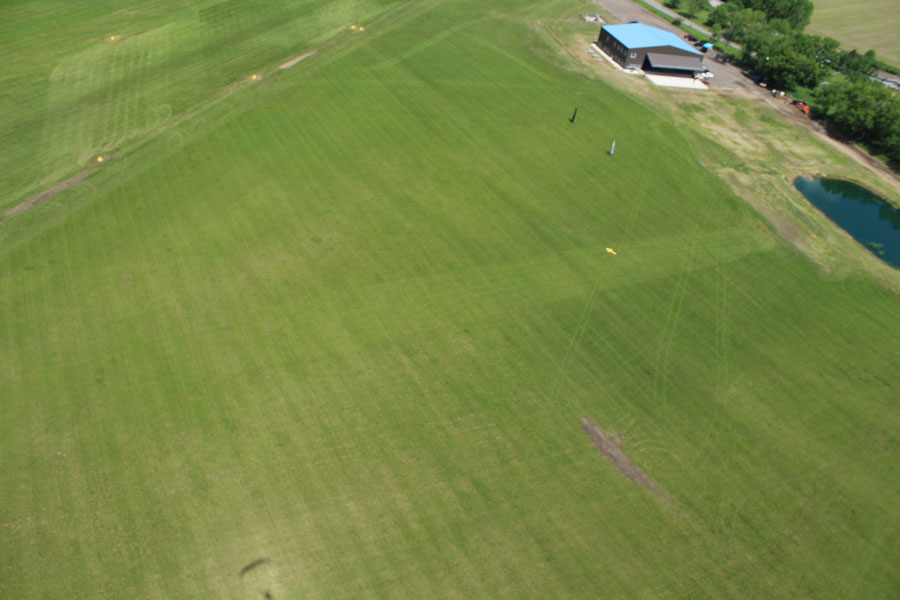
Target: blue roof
(638,35)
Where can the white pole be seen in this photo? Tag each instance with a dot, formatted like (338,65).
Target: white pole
(613,149)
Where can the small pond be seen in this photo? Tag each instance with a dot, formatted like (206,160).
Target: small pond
(870,220)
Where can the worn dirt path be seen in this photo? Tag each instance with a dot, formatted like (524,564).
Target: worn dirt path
(46,194)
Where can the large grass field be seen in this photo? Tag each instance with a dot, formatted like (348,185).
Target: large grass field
(348,318)
(861,24)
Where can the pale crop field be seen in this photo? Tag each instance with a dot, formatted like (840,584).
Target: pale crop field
(861,24)
(332,335)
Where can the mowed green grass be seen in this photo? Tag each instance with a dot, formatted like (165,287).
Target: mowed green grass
(70,92)
(348,320)
(862,24)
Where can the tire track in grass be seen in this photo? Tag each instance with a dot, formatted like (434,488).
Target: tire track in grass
(47,194)
(581,326)
(721,344)
(424,45)
(622,360)
(660,369)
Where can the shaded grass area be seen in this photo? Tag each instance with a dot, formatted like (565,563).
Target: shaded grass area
(352,320)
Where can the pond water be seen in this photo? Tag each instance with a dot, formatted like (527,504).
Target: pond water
(869,219)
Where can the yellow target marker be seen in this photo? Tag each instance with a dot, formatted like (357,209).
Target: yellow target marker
(254,77)
(361,28)
(112,38)
(611,251)
(353,27)
(99,159)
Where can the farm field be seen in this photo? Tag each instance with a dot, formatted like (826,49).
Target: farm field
(332,333)
(863,25)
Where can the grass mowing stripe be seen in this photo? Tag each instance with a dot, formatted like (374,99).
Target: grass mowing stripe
(338,306)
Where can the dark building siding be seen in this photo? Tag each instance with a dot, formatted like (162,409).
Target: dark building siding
(618,52)
(632,58)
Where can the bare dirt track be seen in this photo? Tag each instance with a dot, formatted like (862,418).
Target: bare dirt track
(294,61)
(46,194)
(610,446)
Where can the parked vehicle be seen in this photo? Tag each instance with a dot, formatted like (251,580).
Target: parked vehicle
(802,106)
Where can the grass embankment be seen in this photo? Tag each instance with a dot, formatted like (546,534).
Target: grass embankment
(350,319)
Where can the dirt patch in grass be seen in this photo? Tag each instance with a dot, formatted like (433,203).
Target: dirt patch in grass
(46,194)
(610,446)
(294,61)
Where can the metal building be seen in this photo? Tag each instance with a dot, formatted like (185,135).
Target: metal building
(639,46)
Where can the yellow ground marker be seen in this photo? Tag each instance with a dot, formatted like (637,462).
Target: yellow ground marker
(361,28)
(353,27)
(611,251)
(99,159)
(254,76)
(112,38)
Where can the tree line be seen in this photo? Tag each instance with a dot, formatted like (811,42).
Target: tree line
(777,51)
(861,110)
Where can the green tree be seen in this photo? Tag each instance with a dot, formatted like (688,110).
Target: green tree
(862,110)
(797,13)
(695,6)
(785,61)
(736,22)
(858,64)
